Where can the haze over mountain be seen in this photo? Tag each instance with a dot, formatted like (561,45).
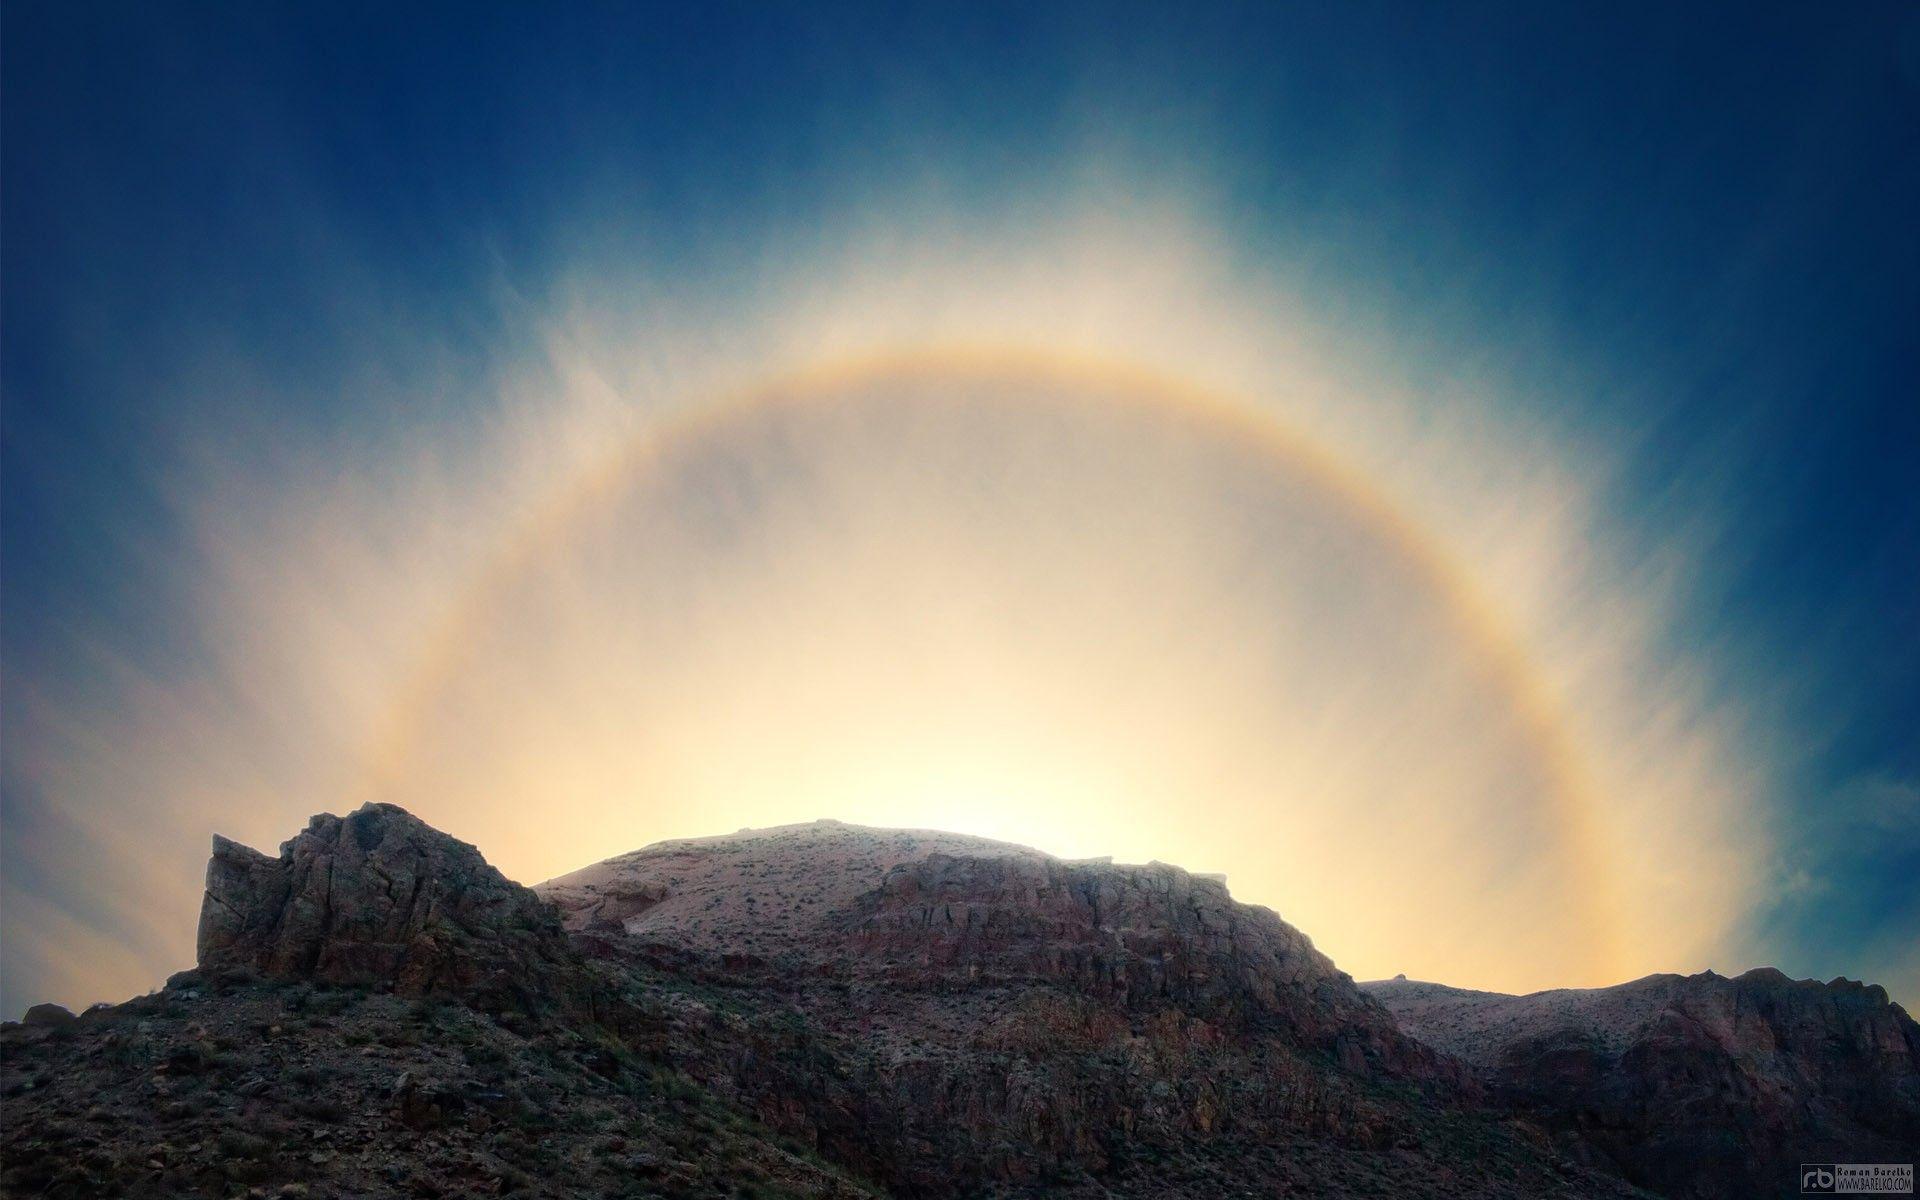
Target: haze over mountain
(834,1010)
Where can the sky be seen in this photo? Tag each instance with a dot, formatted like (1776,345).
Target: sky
(1451,468)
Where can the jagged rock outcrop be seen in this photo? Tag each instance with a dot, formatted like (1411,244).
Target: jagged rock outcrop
(380,898)
(1693,1085)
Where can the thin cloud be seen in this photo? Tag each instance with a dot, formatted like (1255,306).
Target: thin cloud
(1058,658)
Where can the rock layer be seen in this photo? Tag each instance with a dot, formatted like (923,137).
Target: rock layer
(1141,940)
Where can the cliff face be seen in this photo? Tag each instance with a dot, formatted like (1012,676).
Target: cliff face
(1140,940)
(1697,1085)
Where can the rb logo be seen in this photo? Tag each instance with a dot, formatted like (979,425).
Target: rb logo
(1816,1177)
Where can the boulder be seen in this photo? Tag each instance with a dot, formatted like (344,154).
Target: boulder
(51,1015)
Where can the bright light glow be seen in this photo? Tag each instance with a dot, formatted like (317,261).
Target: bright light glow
(1044,610)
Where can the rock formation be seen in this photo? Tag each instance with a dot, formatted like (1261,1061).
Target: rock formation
(1011,1018)
(827,1010)
(381,898)
(1692,1085)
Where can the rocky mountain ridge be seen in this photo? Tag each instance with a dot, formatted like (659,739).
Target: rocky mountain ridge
(819,1010)
(922,910)
(1698,1084)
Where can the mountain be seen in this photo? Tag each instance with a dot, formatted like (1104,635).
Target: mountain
(823,1010)
(1691,1085)
(1013,1020)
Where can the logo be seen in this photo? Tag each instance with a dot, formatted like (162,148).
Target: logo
(1857,1178)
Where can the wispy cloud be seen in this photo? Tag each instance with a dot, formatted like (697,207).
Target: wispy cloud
(1041,615)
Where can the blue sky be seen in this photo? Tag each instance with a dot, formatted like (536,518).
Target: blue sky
(1685,235)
